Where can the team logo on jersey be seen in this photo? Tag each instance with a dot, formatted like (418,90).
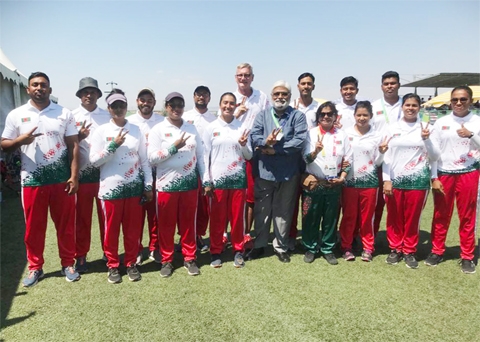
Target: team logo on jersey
(216,134)
(445,128)
(78,123)
(168,135)
(380,112)
(110,138)
(26,119)
(350,138)
(190,121)
(338,142)
(396,135)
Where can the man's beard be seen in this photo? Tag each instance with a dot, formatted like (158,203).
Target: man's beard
(280,104)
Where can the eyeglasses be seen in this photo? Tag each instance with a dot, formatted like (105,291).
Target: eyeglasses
(176,105)
(329,114)
(462,100)
(202,95)
(243,75)
(118,105)
(278,93)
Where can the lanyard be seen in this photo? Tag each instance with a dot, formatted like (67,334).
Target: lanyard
(334,150)
(275,121)
(386,114)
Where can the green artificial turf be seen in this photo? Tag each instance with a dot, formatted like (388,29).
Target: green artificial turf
(265,301)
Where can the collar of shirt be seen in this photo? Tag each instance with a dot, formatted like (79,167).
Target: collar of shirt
(51,106)
(331,130)
(83,111)
(239,96)
(463,118)
(142,119)
(398,103)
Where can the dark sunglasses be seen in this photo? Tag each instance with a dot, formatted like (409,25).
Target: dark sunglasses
(118,105)
(462,100)
(176,105)
(329,114)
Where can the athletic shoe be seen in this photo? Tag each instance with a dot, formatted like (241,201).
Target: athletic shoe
(348,255)
(133,274)
(155,256)
(201,245)
(410,261)
(468,266)
(191,267)
(139,259)
(309,257)
(393,258)
(70,274)
(433,259)
(114,276)
(282,256)
(81,265)
(104,257)
(216,261)
(331,259)
(167,270)
(367,255)
(238,261)
(256,253)
(32,278)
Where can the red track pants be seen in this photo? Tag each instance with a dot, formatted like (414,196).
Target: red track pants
(36,200)
(404,210)
(227,206)
(358,211)
(87,193)
(149,211)
(462,188)
(177,207)
(128,213)
(202,211)
(377,219)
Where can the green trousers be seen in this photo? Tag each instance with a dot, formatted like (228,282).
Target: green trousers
(320,206)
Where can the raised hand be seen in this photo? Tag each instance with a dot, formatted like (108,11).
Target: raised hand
(272,138)
(28,138)
(319,144)
(463,132)
(337,123)
(120,138)
(244,138)
(84,131)
(383,147)
(181,142)
(241,109)
(425,131)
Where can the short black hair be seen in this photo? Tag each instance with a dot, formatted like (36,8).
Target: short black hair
(347,80)
(306,74)
(364,104)
(411,96)
(328,104)
(38,74)
(390,74)
(466,88)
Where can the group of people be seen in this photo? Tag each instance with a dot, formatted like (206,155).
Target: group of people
(256,162)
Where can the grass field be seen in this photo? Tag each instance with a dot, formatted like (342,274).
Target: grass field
(265,301)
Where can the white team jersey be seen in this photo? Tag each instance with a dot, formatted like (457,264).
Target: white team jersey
(309,111)
(385,114)
(200,121)
(145,124)
(45,160)
(457,155)
(346,114)
(176,170)
(407,160)
(256,103)
(124,170)
(366,158)
(224,156)
(89,173)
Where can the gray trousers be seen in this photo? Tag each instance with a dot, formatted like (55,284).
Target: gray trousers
(274,200)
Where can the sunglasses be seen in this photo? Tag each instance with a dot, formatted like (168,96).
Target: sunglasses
(462,100)
(118,105)
(176,105)
(329,114)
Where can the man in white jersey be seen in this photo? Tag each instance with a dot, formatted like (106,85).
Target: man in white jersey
(200,117)
(251,102)
(145,118)
(346,105)
(88,117)
(48,140)
(386,110)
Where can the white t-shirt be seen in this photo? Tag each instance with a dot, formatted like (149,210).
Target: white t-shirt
(145,124)
(309,111)
(200,121)
(44,161)
(346,114)
(224,156)
(124,170)
(89,173)
(385,114)
(176,170)
(257,102)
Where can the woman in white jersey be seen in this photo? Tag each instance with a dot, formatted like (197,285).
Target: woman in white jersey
(406,181)
(225,182)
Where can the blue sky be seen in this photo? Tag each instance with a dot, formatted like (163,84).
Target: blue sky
(178,45)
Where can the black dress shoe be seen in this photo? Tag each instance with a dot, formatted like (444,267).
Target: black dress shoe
(256,253)
(283,256)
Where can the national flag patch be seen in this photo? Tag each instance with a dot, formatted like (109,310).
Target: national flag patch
(216,134)
(338,142)
(396,135)
(350,138)
(78,123)
(190,121)
(110,138)
(445,128)
(26,119)
(168,135)
(380,112)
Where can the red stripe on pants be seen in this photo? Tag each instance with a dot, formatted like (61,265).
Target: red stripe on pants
(358,211)
(202,211)
(227,205)
(404,210)
(462,188)
(36,200)
(177,207)
(128,213)
(87,193)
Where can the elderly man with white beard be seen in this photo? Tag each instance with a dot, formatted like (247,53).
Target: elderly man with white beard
(278,133)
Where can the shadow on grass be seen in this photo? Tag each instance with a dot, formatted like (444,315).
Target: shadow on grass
(12,256)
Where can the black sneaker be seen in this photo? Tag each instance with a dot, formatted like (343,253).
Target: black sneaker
(167,270)
(393,258)
(81,265)
(114,276)
(191,267)
(256,253)
(433,259)
(331,259)
(309,257)
(282,256)
(468,266)
(133,274)
(410,261)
